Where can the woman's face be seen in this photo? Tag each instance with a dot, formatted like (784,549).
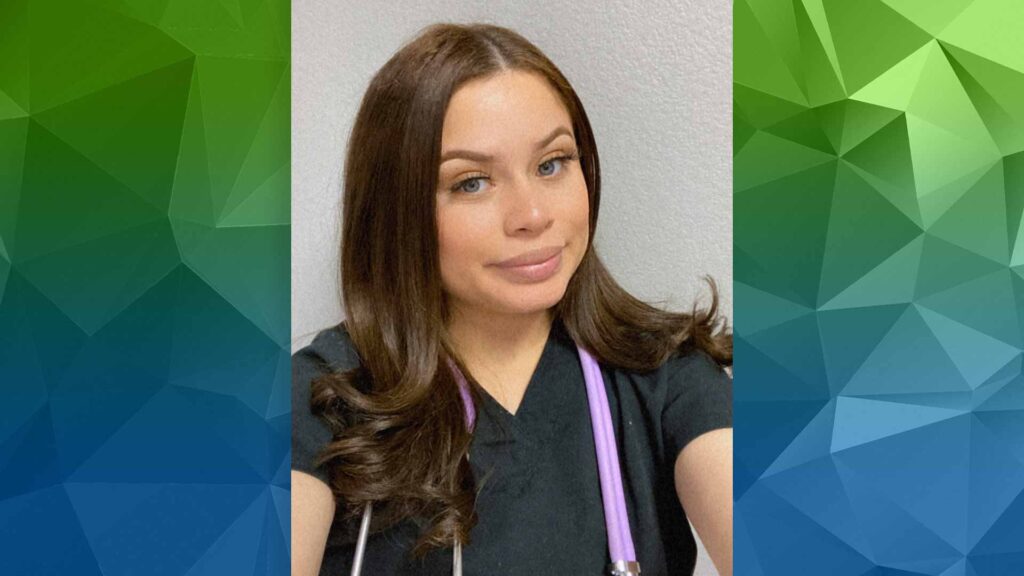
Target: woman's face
(512,207)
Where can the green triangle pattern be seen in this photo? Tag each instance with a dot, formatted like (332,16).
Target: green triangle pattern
(144,281)
(879,256)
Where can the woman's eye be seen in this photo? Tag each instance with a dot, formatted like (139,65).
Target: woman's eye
(555,165)
(550,167)
(470,185)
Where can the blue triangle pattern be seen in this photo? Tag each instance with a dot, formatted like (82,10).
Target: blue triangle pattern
(144,415)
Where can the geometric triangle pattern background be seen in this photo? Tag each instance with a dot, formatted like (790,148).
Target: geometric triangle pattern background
(879,266)
(144,265)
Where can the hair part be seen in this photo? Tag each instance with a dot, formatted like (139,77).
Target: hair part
(400,436)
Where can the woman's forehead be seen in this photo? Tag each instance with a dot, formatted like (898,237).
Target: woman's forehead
(508,109)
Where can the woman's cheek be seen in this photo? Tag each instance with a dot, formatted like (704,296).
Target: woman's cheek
(462,238)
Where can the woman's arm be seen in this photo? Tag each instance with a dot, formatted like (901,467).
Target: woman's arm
(703,474)
(312,514)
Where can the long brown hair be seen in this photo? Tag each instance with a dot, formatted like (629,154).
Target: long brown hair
(400,439)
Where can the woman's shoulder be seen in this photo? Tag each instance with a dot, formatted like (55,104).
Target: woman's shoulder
(693,396)
(330,351)
(693,362)
(687,395)
(688,364)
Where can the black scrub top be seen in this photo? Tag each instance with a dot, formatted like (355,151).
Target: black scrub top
(539,504)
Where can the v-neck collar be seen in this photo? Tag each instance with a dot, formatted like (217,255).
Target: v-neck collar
(531,385)
(503,426)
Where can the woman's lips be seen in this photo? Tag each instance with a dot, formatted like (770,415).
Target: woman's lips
(531,267)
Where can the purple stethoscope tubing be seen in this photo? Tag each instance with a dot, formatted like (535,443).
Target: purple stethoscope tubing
(620,539)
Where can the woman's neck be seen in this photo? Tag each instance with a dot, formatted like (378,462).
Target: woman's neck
(501,352)
(497,336)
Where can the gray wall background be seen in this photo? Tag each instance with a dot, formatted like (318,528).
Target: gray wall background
(655,77)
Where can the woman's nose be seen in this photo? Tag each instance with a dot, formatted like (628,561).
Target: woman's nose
(527,209)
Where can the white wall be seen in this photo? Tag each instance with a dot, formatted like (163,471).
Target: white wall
(655,78)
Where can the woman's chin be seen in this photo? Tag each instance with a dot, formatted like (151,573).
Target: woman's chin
(531,301)
(506,299)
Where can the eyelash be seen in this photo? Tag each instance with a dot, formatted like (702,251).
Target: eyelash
(564,158)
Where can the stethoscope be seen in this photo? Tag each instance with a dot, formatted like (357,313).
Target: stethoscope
(620,540)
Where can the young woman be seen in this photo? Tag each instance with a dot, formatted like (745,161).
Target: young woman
(460,403)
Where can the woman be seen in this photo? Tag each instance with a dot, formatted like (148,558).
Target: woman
(452,399)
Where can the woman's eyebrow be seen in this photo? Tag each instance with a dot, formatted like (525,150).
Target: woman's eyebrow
(561,130)
(467,155)
(480,157)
